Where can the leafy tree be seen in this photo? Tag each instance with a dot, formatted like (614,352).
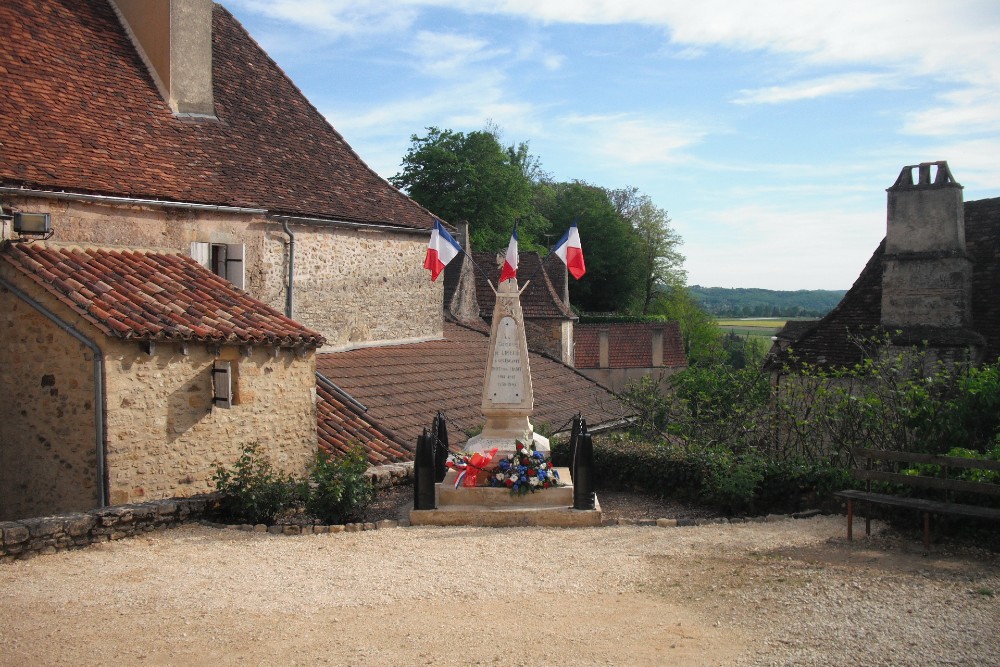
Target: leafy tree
(660,261)
(703,340)
(473,177)
(610,246)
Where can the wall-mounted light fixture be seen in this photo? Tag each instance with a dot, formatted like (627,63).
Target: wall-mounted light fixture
(33,224)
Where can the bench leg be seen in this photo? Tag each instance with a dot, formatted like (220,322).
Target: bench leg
(868,521)
(850,518)
(927,531)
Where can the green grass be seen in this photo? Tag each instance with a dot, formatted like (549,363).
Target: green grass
(762,327)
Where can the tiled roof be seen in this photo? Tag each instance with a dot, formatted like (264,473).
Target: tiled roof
(540,300)
(404,386)
(342,424)
(155,297)
(829,341)
(630,344)
(79,112)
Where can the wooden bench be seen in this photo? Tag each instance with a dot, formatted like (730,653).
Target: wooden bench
(876,462)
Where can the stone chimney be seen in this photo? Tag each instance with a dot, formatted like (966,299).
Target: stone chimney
(174,39)
(461,300)
(603,348)
(926,280)
(657,360)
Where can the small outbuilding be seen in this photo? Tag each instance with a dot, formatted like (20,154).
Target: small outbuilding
(130,374)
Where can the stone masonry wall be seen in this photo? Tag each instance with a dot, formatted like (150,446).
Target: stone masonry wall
(355,286)
(48,452)
(31,537)
(47,535)
(165,436)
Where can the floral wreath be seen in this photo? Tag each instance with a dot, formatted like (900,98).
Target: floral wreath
(525,470)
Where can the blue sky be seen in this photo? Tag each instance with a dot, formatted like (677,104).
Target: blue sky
(768,130)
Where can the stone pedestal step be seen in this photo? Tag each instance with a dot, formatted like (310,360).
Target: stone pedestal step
(497,507)
(483,496)
(474,515)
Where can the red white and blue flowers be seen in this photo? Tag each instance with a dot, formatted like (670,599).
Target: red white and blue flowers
(526,470)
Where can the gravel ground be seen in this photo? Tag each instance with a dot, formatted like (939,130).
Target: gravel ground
(791,592)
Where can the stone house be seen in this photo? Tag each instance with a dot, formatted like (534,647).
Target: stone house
(161,124)
(127,375)
(161,127)
(932,282)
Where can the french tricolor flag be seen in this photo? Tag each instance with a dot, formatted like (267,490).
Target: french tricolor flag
(570,252)
(441,250)
(509,271)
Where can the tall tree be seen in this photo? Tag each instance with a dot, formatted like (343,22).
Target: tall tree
(660,261)
(473,177)
(609,246)
(703,340)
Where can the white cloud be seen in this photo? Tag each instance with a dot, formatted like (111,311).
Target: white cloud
(468,104)
(634,141)
(966,111)
(779,247)
(336,18)
(811,89)
(443,54)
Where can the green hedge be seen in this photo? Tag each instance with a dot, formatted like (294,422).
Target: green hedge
(734,484)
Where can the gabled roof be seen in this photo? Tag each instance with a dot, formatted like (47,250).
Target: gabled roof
(404,386)
(630,345)
(830,342)
(80,112)
(539,301)
(149,296)
(341,425)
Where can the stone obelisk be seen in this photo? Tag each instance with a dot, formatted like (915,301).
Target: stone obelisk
(508,398)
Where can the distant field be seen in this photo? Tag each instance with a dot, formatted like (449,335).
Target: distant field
(763,327)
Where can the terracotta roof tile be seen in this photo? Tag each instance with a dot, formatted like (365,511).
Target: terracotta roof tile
(630,345)
(342,424)
(828,342)
(79,112)
(155,296)
(404,386)
(540,300)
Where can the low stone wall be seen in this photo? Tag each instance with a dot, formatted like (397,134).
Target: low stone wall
(47,535)
(390,475)
(26,538)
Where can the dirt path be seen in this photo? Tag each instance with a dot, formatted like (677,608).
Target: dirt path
(791,592)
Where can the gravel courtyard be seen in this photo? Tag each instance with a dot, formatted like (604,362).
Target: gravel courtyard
(792,592)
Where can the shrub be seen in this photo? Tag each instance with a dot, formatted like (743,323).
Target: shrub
(336,490)
(749,482)
(253,492)
(339,491)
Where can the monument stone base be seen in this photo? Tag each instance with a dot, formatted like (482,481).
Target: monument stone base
(505,445)
(498,507)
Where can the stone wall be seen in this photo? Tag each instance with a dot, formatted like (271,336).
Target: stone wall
(165,435)
(354,285)
(47,535)
(357,286)
(618,379)
(551,336)
(48,448)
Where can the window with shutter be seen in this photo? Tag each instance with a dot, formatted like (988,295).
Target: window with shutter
(222,384)
(222,259)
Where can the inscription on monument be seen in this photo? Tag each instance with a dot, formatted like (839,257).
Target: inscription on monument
(507,372)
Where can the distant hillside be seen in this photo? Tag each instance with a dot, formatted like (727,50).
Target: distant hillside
(753,302)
